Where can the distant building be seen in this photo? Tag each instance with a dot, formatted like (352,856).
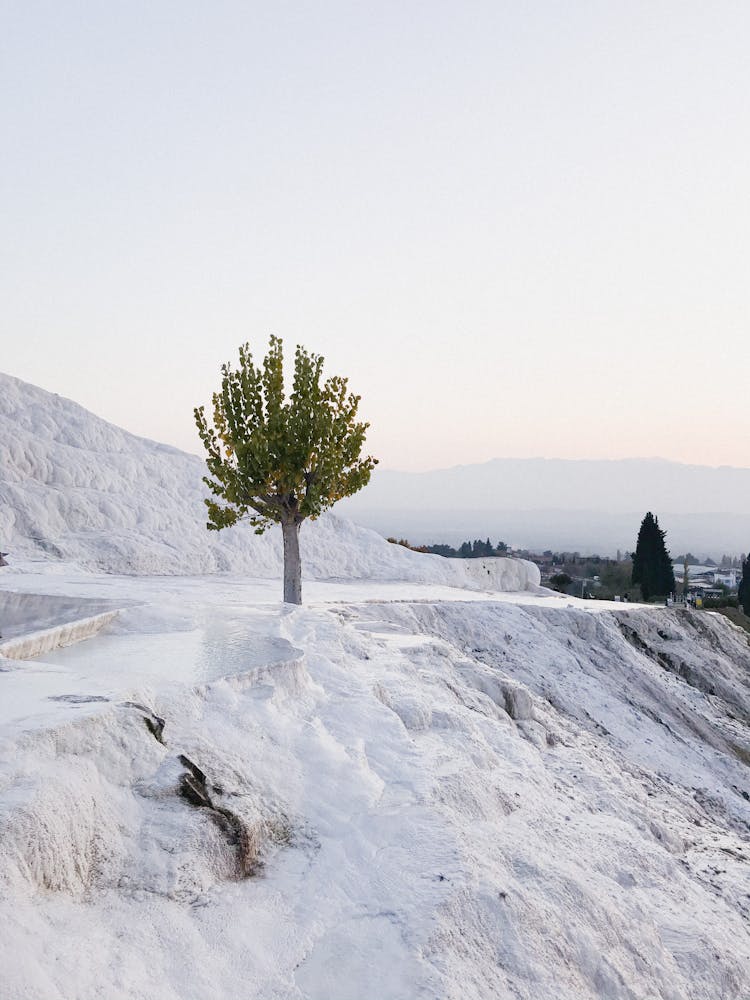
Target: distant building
(707,576)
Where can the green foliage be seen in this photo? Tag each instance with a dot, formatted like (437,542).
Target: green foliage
(468,550)
(652,565)
(726,601)
(743,591)
(273,458)
(560,581)
(615,579)
(441,549)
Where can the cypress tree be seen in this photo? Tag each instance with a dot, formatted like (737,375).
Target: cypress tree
(652,565)
(743,593)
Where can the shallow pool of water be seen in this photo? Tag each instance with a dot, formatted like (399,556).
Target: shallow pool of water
(217,645)
(21,614)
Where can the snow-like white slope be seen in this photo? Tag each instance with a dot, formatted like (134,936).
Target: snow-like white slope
(471,800)
(399,792)
(74,487)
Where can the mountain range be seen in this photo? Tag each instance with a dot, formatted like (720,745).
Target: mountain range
(579,505)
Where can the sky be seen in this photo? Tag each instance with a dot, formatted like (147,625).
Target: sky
(519,229)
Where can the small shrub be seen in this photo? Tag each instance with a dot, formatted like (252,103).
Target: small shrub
(720,602)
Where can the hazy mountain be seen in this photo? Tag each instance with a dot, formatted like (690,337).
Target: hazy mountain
(557,503)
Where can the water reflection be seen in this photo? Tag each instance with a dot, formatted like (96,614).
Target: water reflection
(229,647)
(21,614)
(216,644)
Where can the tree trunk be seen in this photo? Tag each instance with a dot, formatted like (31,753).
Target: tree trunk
(292,564)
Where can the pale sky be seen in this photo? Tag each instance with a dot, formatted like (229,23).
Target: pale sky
(520,229)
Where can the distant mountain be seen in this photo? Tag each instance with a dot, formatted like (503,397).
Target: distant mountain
(558,503)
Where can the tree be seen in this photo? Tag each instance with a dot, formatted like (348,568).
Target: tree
(743,592)
(652,565)
(615,580)
(479,549)
(275,459)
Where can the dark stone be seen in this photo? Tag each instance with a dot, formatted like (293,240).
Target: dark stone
(77,699)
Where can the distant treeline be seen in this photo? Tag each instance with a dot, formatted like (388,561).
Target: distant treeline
(466,550)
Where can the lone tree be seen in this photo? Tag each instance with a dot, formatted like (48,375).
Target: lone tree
(561,581)
(652,565)
(278,459)
(743,591)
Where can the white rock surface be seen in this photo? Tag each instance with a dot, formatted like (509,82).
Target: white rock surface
(401,791)
(460,799)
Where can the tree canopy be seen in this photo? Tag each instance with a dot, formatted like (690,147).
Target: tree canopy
(652,565)
(274,458)
(743,592)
